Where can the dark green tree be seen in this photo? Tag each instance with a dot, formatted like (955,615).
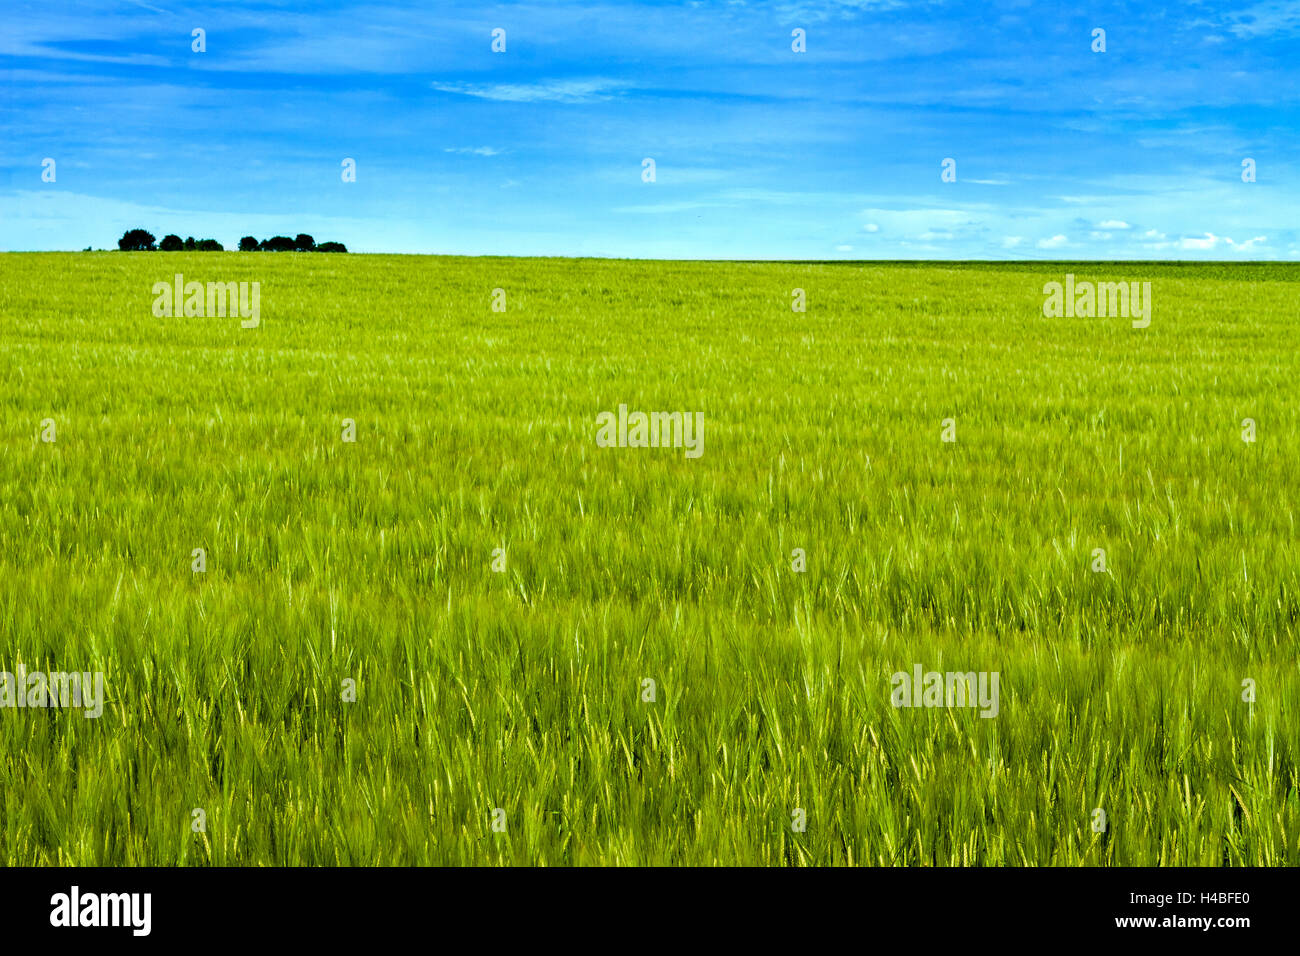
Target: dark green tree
(136,240)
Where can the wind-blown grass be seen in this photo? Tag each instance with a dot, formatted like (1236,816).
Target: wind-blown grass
(522,690)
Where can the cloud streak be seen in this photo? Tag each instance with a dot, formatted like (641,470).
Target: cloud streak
(586,90)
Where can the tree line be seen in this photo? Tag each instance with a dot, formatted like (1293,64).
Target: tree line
(141,240)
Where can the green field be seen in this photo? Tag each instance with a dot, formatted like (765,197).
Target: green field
(522,690)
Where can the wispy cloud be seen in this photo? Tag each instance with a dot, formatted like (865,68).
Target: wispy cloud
(667,207)
(1273,17)
(1211,241)
(588,90)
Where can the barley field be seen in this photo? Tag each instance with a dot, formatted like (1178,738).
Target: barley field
(475,636)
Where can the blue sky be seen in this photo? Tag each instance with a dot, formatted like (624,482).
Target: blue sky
(760,152)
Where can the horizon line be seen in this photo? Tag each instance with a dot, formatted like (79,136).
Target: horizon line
(737,261)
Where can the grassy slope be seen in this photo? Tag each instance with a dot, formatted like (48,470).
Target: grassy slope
(522,690)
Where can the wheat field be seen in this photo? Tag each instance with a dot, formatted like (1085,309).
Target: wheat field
(473,635)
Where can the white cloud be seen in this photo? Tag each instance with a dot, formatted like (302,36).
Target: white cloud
(1269,17)
(1054,243)
(1113,224)
(473,150)
(1211,241)
(553,91)
(667,207)
(1010,242)
(843,248)
(922,225)
(1152,234)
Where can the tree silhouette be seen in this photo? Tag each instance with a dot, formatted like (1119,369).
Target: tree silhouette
(140,240)
(136,240)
